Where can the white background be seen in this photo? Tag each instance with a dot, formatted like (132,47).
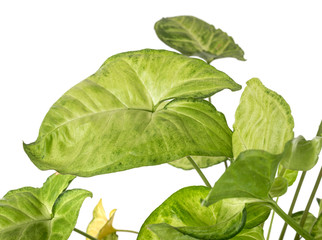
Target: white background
(46,47)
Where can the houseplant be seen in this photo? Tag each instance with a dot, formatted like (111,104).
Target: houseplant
(252,84)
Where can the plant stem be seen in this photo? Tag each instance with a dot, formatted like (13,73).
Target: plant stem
(226,165)
(290,221)
(128,231)
(194,164)
(209,99)
(84,234)
(271,224)
(290,211)
(309,203)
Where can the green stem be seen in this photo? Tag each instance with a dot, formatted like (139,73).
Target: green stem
(309,203)
(271,224)
(290,211)
(194,164)
(209,99)
(84,234)
(226,165)
(290,221)
(128,231)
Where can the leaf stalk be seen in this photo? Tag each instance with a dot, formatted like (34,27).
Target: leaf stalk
(309,203)
(196,167)
(84,234)
(290,211)
(290,221)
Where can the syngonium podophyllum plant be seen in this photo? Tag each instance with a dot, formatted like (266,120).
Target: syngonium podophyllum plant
(148,107)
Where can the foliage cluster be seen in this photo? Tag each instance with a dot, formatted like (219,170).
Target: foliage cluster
(148,107)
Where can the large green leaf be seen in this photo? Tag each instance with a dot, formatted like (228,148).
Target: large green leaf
(194,37)
(47,213)
(301,154)
(116,119)
(249,177)
(182,216)
(263,120)
(201,161)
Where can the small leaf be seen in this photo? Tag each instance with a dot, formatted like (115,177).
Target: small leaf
(317,229)
(250,177)
(100,227)
(279,187)
(309,222)
(202,162)
(256,233)
(194,37)
(263,120)
(300,154)
(288,174)
(116,120)
(257,213)
(50,210)
(108,228)
(182,216)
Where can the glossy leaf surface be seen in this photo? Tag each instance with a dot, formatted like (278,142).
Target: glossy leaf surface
(194,37)
(250,177)
(300,154)
(279,187)
(201,161)
(47,213)
(183,217)
(263,120)
(116,120)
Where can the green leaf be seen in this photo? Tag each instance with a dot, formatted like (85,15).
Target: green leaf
(194,37)
(263,120)
(257,213)
(288,174)
(202,162)
(256,233)
(249,177)
(182,215)
(300,154)
(317,229)
(309,222)
(50,210)
(165,231)
(279,187)
(115,120)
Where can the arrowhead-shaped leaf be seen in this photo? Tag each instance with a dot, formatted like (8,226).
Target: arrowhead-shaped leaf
(182,216)
(194,37)
(249,177)
(117,119)
(263,120)
(47,213)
